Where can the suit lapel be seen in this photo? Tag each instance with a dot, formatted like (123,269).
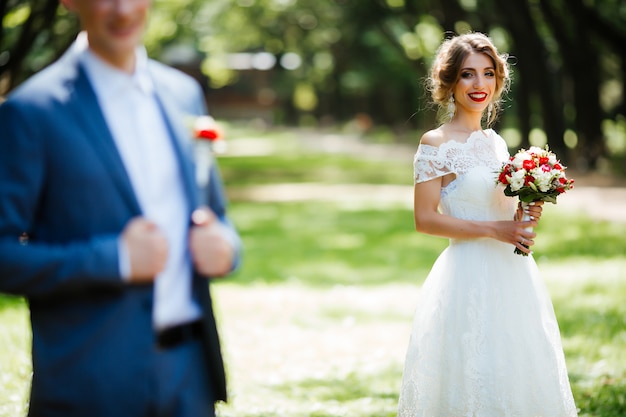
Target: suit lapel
(96,131)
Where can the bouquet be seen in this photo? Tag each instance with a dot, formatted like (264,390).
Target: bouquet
(534,175)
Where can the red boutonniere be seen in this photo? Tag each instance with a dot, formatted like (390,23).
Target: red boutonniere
(205,130)
(208,141)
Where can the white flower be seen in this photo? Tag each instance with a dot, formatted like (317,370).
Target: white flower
(517,180)
(518,161)
(552,159)
(544,182)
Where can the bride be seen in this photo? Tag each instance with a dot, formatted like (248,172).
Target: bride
(485,340)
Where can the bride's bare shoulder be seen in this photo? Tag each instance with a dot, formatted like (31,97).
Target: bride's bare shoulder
(433,137)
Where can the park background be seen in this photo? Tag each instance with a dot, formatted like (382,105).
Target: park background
(322,104)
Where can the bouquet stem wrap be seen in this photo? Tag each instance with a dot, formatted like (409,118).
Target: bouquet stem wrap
(525,218)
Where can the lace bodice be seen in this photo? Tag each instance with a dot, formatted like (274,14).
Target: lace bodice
(473,195)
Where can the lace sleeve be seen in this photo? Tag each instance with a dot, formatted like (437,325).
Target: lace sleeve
(428,164)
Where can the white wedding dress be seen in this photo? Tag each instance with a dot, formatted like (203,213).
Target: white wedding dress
(485,340)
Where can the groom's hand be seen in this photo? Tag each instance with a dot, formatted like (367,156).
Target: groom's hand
(211,252)
(147,249)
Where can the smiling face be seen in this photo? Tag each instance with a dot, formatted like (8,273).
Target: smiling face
(476,85)
(114,28)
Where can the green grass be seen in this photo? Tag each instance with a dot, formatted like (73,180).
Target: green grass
(592,317)
(320,243)
(565,236)
(363,259)
(323,244)
(312,168)
(361,394)
(15,366)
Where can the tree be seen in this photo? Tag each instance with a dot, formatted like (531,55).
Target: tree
(34,33)
(347,57)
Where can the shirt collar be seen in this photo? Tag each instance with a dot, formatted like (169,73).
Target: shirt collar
(108,80)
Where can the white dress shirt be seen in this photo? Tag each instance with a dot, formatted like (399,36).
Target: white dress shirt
(143,141)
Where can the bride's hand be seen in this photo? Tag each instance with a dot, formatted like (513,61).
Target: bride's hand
(534,210)
(516,233)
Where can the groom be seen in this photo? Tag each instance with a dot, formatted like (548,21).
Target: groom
(100,230)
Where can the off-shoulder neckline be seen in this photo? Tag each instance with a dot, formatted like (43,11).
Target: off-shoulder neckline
(484,133)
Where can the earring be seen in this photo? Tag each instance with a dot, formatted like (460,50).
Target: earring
(489,110)
(451,107)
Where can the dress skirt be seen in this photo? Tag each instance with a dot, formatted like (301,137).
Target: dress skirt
(485,341)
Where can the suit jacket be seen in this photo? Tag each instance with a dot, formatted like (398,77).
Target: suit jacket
(63,185)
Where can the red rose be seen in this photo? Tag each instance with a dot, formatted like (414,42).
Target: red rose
(206,128)
(528,164)
(543,160)
(558,166)
(528,179)
(503,178)
(209,134)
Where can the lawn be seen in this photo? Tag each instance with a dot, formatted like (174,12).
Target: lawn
(317,321)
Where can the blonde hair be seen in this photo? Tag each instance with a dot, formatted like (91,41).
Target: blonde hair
(446,68)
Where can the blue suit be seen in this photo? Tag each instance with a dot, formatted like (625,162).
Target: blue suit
(64,189)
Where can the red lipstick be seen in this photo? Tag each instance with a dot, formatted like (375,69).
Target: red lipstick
(478,97)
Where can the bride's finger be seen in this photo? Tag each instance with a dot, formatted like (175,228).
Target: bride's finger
(534,211)
(529,223)
(524,245)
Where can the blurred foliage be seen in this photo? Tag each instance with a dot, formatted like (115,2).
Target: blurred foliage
(336,60)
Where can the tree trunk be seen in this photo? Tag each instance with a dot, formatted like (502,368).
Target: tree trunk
(582,61)
(539,80)
(585,70)
(41,19)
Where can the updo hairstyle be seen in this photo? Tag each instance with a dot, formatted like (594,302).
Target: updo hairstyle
(446,68)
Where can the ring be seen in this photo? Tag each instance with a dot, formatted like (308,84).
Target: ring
(522,241)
